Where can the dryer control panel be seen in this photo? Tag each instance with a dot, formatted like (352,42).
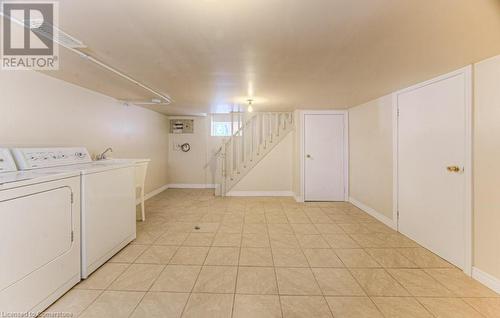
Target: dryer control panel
(35,158)
(7,163)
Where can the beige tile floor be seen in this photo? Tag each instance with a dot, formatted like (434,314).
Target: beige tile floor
(272,257)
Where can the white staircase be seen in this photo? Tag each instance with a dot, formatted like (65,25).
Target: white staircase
(255,138)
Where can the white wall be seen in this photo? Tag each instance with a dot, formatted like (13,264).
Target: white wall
(486,173)
(296,164)
(370,154)
(274,173)
(38,110)
(190,167)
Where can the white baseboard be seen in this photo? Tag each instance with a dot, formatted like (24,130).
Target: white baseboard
(298,199)
(260,194)
(379,216)
(191,186)
(152,193)
(175,186)
(486,279)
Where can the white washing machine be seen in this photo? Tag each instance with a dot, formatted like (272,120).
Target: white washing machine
(39,236)
(108,212)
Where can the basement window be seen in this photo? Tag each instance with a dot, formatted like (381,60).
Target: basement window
(221,129)
(221,125)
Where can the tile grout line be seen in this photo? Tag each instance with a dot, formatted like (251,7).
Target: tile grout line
(194,284)
(137,305)
(314,276)
(275,272)
(237,274)
(300,247)
(366,293)
(158,276)
(102,290)
(91,303)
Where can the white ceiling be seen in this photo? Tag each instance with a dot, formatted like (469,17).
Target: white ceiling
(210,54)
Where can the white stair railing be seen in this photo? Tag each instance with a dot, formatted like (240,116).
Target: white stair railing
(248,145)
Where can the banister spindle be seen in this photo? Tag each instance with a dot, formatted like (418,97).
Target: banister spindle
(270,127)
(252,149)
(243,135)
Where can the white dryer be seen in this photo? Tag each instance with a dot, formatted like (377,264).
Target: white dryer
(39,236)
(108,211)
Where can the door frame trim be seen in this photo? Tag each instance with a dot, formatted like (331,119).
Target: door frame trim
(467,72)
(302,115)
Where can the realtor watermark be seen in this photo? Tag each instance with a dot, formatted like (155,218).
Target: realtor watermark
(30,314)
(28,33)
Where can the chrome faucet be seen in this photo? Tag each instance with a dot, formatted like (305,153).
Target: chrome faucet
(102,156)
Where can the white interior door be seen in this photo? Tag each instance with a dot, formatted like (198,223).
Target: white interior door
(431,159)
(324,145)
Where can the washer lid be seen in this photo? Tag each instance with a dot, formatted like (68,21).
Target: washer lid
(7,163)
(22,178)
(92,167)
(15,176)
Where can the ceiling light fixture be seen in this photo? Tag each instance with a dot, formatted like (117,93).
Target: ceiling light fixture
(250,108)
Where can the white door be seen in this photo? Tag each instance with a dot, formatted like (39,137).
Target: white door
(431,159)
(325,152)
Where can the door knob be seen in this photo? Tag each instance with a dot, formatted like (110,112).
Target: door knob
(455,169)
(308,156)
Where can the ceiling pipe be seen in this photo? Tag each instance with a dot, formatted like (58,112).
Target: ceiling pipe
(154,101)
(166,99)
(158,102)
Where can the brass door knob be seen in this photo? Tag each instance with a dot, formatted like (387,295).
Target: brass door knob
(453,169)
